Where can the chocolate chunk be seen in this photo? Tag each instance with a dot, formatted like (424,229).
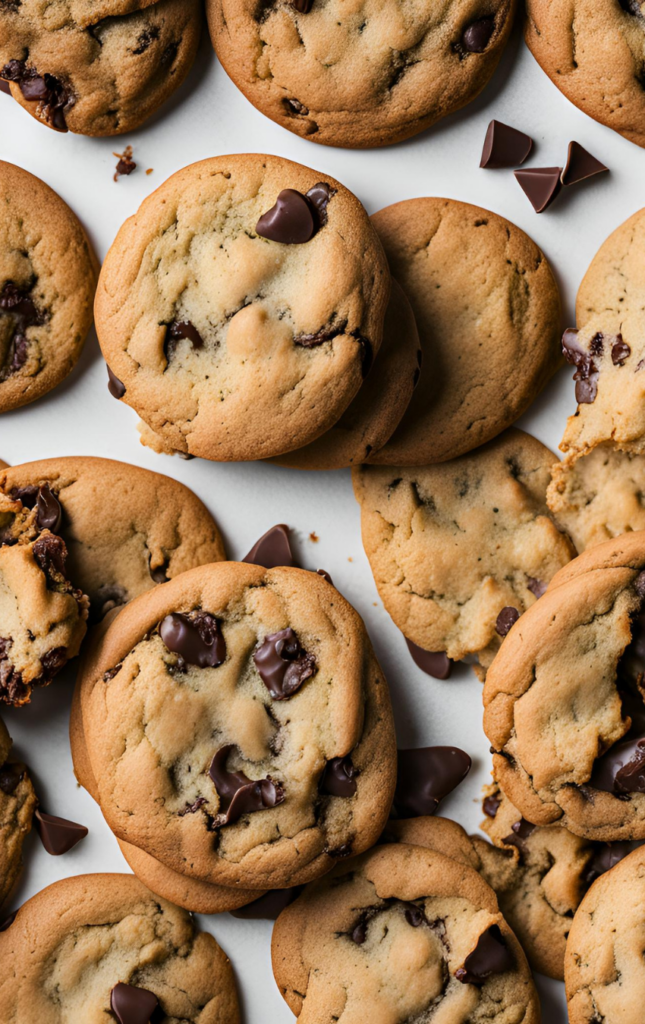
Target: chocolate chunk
(238,794)
(269,906)
(340,852)
(520,831)
(415,916)
(425,776)
(339,777)
(49,513)
(620,351)
(160,573)
(126,164)
(18,303)
(10,777)
(586,375)
(605,856)
(302,6)
(8,921)
(4,87)
(177,330)
(491,955)
(193,808)
(115,386)
(505,146)
(196,638)
(541,185)
(477,35)
(325,575)
(272,549)
(50,553)
(506,620)
(52,95)
(621,769)
(283,665)
(319,197)
(536,587)
(327,333)
(580,165)
(490,806)
(57,834)
(434,663)
(290,221)
(132,1005)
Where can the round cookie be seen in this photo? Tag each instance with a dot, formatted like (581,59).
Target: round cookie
(90,12)
(380,404)
(366,75)
(608,347)
(397,935)
(594,55)
(231,344)
(456,547)
(103,78)
(125,528)
(227,775)
(17,805)
(470,276)
(604,961)
(87,945)
(598,496)
(47,282)
(563,707)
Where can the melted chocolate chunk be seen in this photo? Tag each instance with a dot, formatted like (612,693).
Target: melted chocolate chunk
(10,777)
(115,386)
(620,351)
(320,337)
(491,955)
(57,834)
(193,808)
(16,303)
(126,164)
(541,185)
(319,197)
(272,549)
(580,165)
(536,587)
(622,769)
(490,805)
(506,620)
(196,638)
(505,146)
(605,856)
(303,6)
(132,1005)
(50,553)
(269,906)
(425,776)
(586,375)
(52,95)
(4,87)
(282,664)
(339,777)
(477,35)
(238,794)
(49,512)
(12,688)
(520,832)
(434,663)
(291,221)
(177,330)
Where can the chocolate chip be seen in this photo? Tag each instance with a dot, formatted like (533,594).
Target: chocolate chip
(52,95)
(536,587)
(10,777)
(132,1005)
(4,87)
(506,620)
(434,663)
(50,554)
(605,856)
(621,769)
(425,776)
(520,832)
(620,351)
(586,375)
(505,146)
(8,921)
(325,575)
(115,386)
(490,806)
(193,808)
(196,638)
(319,196)
(17,303)
(541,185)
(414,915)
(57,834)
(269,906)
(580,165)
(145,40)
(160,573)
(238,794)
(491,955)
(290,221)
(327,333)
(282,664)
(272,549)
(49,513)
(126,164)
(177,330)
(340,852)
(302,6)
(339,777)
(477,35)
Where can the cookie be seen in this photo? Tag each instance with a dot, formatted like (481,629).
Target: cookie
(458,549)
(260,744)
(563,706)
(43,615)
(126,529)
(604,961)
(380,404)
(47,282)
(103,77)
(400,934)
(594,56)
(17,805)
(598,496)
(89,12)
(608,347)
(242,305)
(93,944)
(368,75)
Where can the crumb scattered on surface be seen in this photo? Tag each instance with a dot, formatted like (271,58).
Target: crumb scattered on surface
(313,537)
(150,170)
(350,559)
(126,164)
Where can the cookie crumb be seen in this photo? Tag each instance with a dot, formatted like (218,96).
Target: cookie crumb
(350,559)
(150,170)
(313,537)
(126,164)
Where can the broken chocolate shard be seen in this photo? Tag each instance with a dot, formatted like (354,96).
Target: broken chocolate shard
(58,835)
(434,663)
(195,637)
(238,794)
(505,146)
(580,165)
(272,549)
(541,185)
(132,1005)
(425,776)
(282,664)
(491,955)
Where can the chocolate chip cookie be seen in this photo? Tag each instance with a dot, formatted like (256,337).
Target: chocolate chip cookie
(460,550)
(400,934)
(470,276)
(594,55)
(125,528)
(607,347)
(47,282)
(104,75)
(241,307)
(103,946)
(239,728)
(17,805)
(563,703)
(380,404)
(368,75)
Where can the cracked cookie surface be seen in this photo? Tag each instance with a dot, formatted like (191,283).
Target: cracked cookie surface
(102,76)
(470,276)
(453,545)
(396,936)
(358,74)
(47,282)
(125,528)
(594,55)
(75,941)
(231,345)
(17,805)
(229,773)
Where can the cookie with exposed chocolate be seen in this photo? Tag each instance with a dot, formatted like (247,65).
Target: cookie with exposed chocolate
(18,802)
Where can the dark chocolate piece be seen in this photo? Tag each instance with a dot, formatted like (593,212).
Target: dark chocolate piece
(52,95)
(621,769)
(586,375)
(541,185)
(238,794)
(8,921)
(132,1005)
(49,512)
(425,776)
(506,620)
(339,777)
(282,664)
(11,775)
(58,835)
(272,549)
(115,386)
(196,638)
(491,955)
(290,221)
(580,165)
(477,35)
(434,663)
(505,146)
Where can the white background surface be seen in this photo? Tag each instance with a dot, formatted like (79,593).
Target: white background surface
(206,117)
